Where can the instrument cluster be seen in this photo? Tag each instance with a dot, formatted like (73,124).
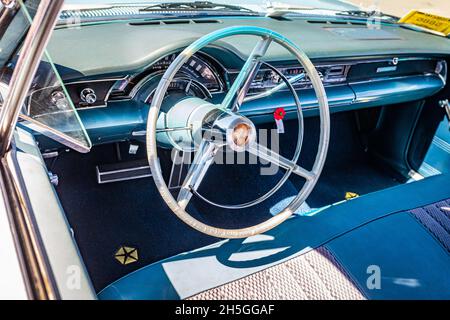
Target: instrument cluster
(196,69)
(199,76)
(267,78)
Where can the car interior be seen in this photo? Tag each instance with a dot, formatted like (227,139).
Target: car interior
(388,151)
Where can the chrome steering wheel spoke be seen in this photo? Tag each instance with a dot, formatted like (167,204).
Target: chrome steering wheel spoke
(202,161)
(238,91)
(266,154)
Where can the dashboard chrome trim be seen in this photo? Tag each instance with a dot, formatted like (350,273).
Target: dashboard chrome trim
(261,111)
(75,83)
(443,73)
(348,61)
(205,57)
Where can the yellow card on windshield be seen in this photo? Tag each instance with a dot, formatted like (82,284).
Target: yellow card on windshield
(428,21)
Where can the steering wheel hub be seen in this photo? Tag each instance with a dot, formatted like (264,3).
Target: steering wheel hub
(238,132)
(241,134)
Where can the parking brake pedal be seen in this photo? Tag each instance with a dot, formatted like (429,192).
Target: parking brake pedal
(123,171)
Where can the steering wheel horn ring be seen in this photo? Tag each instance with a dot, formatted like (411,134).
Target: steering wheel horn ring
(239,132)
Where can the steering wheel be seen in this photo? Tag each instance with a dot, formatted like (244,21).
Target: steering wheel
(213,126)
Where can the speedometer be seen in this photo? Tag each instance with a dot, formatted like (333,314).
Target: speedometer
(182,87)
(196,68)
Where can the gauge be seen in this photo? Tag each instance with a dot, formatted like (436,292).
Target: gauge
(274,77)
(187,87)
(267,78)
(183,87)
(163,63)
(195,68)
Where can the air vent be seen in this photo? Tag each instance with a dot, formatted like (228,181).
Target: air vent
(150,23)
(337,70)
(118,95)
(174,21)
(317,21)
(206,21)
(107,11)
(358,23)
(336,74)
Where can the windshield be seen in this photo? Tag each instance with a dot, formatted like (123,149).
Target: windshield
(254,5)
(395,8)
(82,11)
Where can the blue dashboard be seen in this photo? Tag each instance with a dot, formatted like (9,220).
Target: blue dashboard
(120,110)
(111,86)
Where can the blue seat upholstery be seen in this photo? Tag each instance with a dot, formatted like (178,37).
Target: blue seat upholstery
(373,230)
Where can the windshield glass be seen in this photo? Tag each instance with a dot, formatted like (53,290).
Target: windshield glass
(254,5)
(396,8)
(14,25)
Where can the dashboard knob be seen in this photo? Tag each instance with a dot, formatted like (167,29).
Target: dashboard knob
(88,95)
(58,99)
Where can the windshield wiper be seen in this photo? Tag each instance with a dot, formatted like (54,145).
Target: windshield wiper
(196,6)
(365,14)
(277,12)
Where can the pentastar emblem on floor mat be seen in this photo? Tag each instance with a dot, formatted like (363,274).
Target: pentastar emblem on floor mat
(126,255)
(351,195)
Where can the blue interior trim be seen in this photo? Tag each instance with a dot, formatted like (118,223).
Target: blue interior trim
(437,158)
(412,264)
(296,236)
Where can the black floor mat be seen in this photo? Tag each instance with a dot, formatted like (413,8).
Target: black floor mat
(132,213)
(106,217)
(358,177)
(348,168)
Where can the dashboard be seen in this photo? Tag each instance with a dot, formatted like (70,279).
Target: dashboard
(115,108)
(197,77)
(204,77)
